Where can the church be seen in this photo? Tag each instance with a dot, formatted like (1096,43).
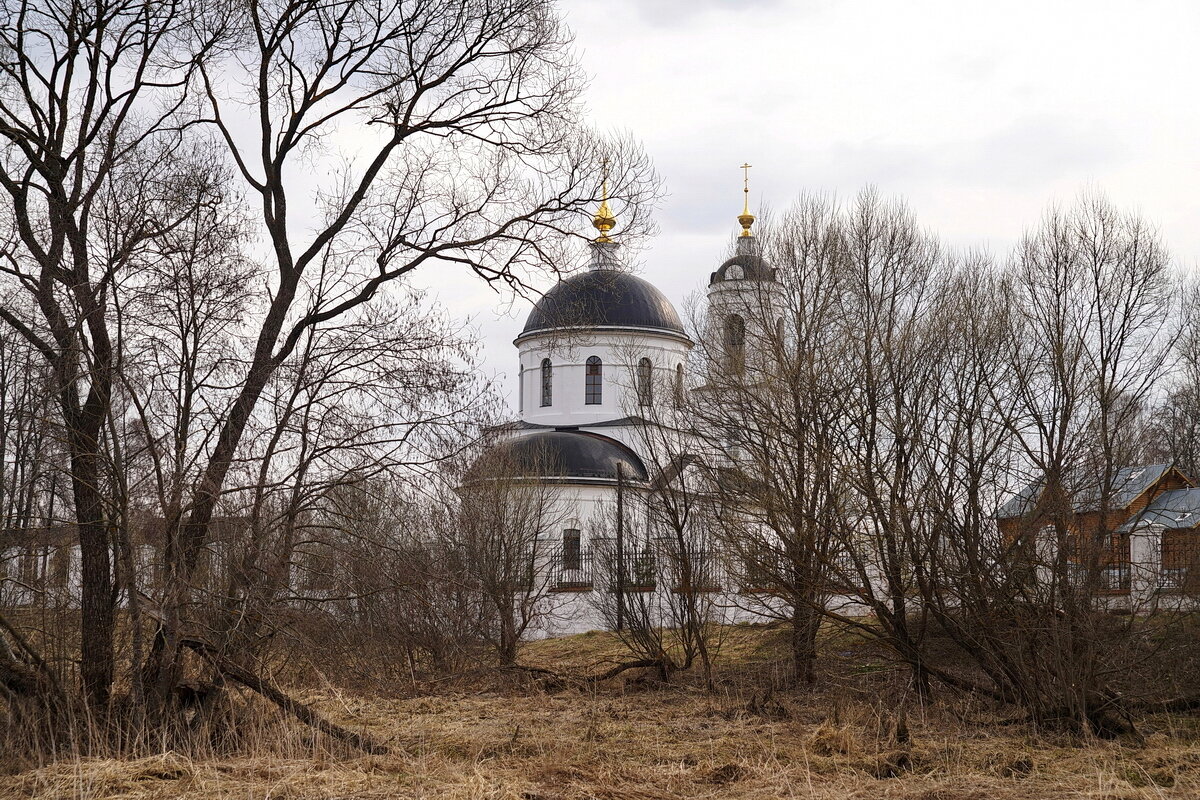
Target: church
(604,352)
(599,355)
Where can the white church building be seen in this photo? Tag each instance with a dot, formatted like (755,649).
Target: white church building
(597,351)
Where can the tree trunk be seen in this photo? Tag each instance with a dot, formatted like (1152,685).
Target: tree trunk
(805,624)
(162,669)
(97,600)
(508,632)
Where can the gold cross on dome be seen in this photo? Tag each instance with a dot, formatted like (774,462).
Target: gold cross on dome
(604,221)
(746,219)
(746,188)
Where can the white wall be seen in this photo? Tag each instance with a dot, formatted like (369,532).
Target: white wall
(618,350)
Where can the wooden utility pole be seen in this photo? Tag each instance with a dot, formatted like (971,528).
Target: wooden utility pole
(620,546)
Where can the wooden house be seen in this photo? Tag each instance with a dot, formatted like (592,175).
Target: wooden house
(1142,530)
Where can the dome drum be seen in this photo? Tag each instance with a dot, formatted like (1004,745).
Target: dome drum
(744,266)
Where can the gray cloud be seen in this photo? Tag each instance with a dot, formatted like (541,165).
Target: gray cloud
(681,12)
(1023,155)
(978,114)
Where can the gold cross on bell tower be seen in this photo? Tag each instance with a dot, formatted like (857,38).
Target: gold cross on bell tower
(746,219)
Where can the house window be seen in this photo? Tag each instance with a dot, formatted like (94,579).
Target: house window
(645,382)
(679,385)
(572,552)
(1173,579)
(1115,577)
(1114,541)
(592,391)
(547,382)
(60,566)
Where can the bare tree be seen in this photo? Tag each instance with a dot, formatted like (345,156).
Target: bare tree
(1089,301)
(896,272)
(629,594)
(383,594)
(89,106)
(770,417)
(502,534)
(198,348)
(1175,423)
(681,623)
(472,155)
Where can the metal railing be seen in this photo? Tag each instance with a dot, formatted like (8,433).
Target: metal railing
(1173,579)
(571,569)
(641,570)
(1115,577)
(577,569)
(704,570)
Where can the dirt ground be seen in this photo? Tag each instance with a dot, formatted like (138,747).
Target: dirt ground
(627,739)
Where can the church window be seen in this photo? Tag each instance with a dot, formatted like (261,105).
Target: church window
(572,552)
(679,385)
(547,382)
(645,382)
(735,332)
(734,272)
(735,339)
(593,376)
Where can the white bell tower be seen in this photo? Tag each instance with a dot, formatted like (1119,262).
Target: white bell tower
(744,303)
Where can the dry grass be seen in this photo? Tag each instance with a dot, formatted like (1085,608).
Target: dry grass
(630,741)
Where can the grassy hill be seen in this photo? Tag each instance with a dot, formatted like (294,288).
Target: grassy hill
(488,735)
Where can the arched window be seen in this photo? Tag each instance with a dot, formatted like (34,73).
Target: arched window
(679,386)
(547,382)
(592,390)
(735,333)
(734,272)
(572,551)
(645,382)
(735,340)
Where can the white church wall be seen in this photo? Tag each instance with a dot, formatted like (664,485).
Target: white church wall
(618,351)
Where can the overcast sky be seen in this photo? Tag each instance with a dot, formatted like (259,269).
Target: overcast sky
(979,114)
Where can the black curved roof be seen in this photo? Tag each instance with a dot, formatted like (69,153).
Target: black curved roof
(568,454)
(754,268)
(603,298)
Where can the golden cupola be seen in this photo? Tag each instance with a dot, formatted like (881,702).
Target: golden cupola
(746,219)
(604,221)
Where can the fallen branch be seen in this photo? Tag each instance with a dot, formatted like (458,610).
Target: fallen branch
(619,668)
(253,682)
(1168,706)
(17,676)
(297,709)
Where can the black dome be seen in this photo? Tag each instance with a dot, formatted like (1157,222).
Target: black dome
(754,268)
(603,298)
(567,454)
